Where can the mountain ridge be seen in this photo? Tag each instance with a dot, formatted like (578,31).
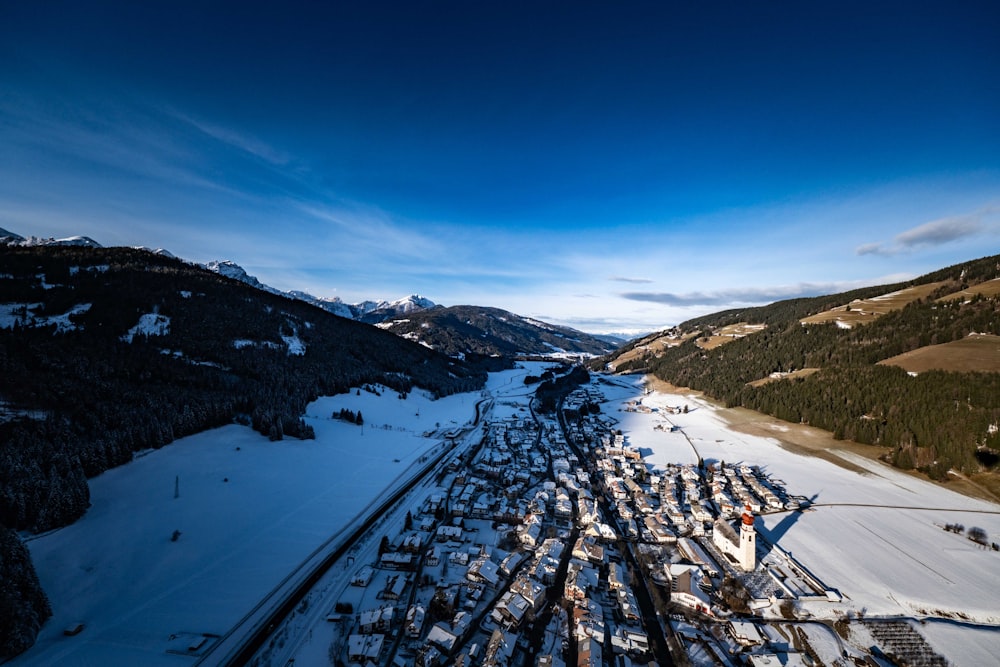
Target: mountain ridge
(494,332)
(106,352)
(544,340)
(364,311)
(852,394)
(11,239)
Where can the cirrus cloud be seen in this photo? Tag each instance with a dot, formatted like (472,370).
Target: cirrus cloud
(625,279)
(937,232)
(739,296)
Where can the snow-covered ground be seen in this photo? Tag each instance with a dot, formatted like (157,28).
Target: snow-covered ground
(117,570)
(22,314)
(884,560)
(248,511)
(150,324)
(306,637)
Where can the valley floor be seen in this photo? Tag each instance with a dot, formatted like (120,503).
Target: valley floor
(874,533)
(249,511)
(811,441)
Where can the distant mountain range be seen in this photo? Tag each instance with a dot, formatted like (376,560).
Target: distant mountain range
(457,331)
(461,330)
(370,312)
(366,311)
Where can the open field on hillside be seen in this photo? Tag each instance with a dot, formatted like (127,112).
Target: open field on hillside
(801,373)
(989,482)
(975,352)
(728,334)
(655,346)
(862,311)
(988,289)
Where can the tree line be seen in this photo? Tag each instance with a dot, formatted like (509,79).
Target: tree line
(550,392)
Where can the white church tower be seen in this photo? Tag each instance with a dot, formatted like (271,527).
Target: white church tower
(747,552)
(741,550)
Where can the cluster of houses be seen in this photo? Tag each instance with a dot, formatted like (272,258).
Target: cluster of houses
(514,537)
(517,553)
(553,543)
(694,527)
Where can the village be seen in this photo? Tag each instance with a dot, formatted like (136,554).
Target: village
(632,526)
(553,543)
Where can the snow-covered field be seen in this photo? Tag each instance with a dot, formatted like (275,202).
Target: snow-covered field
(884,560)
(117,570)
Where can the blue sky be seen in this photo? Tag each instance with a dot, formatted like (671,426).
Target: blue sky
(613,168)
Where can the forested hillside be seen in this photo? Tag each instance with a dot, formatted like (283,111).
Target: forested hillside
(934,421)
(105,352)
(492,332)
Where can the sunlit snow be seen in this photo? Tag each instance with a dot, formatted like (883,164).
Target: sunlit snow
(248,510)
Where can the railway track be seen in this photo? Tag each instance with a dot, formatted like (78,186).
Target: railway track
(239,646)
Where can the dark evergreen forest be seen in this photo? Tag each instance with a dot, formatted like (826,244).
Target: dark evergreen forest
(79,400)
(932,422)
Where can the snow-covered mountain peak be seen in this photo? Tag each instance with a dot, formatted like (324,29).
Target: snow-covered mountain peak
(331,304)
(10,238)
(410,303)
(163,252)
(368,311)
(231,269)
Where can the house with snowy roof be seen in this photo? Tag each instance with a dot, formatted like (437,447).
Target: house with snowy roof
(364,648)
(483,570)
(686,588)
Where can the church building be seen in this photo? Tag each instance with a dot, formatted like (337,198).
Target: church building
(741,550)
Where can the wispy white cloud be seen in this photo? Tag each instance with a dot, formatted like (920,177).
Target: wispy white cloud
(107,151)
(941,231)
(623,279)
(731,298)
(370,233)
(235,139)
(873,249)
(937,232)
